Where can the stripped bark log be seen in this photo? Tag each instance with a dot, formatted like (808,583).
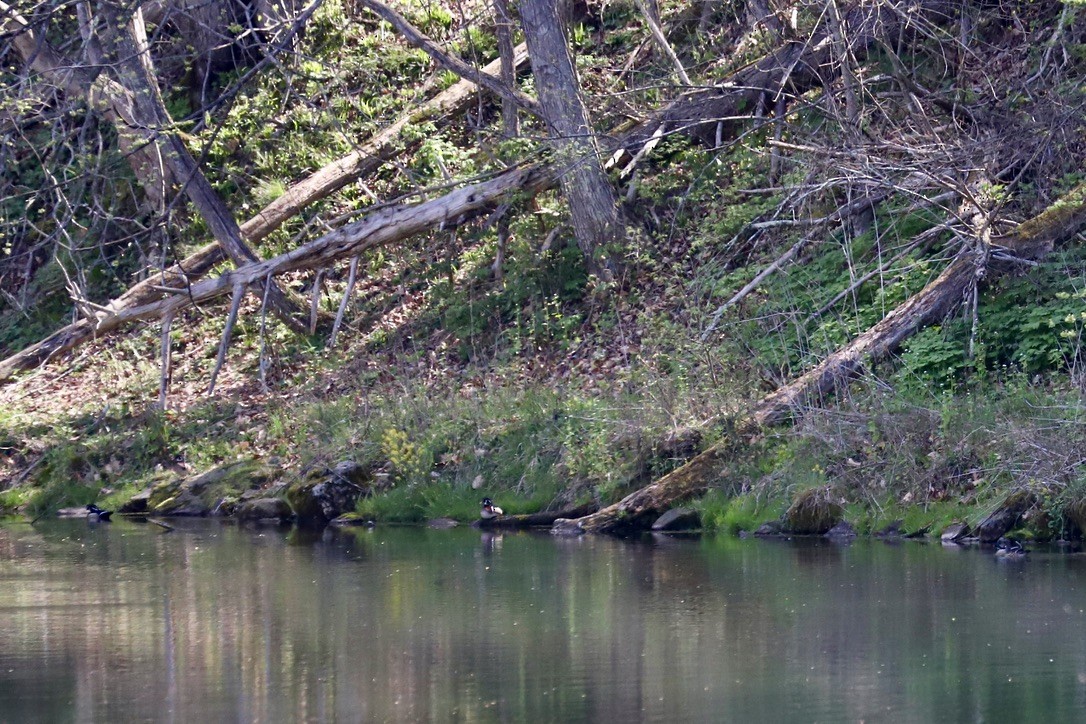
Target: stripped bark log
(1032,239)
(390,224)
(324,182)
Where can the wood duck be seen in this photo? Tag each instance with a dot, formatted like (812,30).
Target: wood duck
(1009,548)
(489,510)
(94,510)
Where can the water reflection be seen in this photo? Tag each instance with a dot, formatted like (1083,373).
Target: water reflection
(215,622)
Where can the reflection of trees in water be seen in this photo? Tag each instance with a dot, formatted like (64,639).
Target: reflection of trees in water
(413,624)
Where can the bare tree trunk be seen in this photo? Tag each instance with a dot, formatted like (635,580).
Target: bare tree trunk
(1030,240)
(592,202)
(507,56)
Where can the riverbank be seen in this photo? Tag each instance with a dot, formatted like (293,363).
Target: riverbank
(425,448)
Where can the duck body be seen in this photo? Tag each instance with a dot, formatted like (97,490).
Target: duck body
(1010,549)
(96,512)
(489,510)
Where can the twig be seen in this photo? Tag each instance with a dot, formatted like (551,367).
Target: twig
(228,330)
(314,302)
(263,365)
(160,524)
(343,302)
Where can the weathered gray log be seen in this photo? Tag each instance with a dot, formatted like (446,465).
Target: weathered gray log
(1031,239)
(535,520)
(387,225)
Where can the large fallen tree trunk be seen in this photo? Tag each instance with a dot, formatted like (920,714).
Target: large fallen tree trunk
(383,147)
(1032,239)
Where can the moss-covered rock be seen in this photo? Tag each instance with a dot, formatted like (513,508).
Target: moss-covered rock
(1006,516)
(325,494)
(813,512)
(206,493)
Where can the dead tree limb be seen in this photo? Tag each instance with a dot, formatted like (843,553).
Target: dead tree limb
(390,224)
(462,69)
(1030,240)
(791,70)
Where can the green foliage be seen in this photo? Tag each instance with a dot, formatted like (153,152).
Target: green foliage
(741,513)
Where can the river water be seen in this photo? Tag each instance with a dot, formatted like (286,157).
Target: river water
(213,622)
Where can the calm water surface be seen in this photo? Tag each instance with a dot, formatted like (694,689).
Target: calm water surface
(123,622)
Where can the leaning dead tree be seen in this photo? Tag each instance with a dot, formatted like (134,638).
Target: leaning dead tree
(1028,242)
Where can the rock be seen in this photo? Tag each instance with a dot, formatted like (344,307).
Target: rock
(1075,513)
(442,523)
(813,512)
(137,503)
(211,492)
(80,512)
(326,494)
(1006,516)
(264,509)
(841,531)
(678,519)
(955,532)
(770,529)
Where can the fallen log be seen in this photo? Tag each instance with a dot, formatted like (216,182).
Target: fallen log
(390,224)
(794,68)
(1030,240)
(383,147)
(534,520)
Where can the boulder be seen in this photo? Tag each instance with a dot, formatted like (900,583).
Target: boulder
(841,532)
(813,512)
(138,503)
(1006,516)
(327,493)
(215,491)
(678,519)
(770,529)
(264,509)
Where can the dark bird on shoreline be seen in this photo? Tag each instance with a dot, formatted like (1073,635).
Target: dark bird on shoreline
(489,510)
(98,513)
